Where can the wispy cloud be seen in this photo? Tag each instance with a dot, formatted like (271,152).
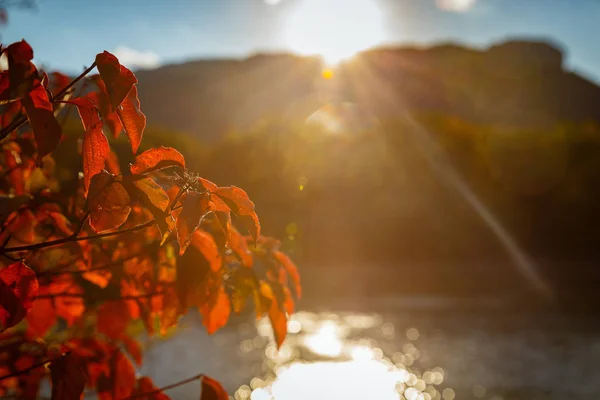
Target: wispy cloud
(132,58)
(455,5)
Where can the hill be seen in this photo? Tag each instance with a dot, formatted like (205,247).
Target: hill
(515,83)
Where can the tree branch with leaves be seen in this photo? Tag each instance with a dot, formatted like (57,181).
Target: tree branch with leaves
(148,243)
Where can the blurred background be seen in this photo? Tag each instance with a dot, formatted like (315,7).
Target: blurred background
(433,167)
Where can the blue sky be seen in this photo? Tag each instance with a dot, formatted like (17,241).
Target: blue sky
(66,34)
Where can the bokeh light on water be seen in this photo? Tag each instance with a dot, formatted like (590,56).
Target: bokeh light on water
(331,356)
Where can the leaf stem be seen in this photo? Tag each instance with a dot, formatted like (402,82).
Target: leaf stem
(171,386)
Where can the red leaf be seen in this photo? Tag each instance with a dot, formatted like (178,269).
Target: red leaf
(18,289)
(238,245)
(241,205)
(212,390)
(20,52)
(195,207)
(108,202)
(69,307)
(146,387)
(68,377)
(121,381)
(134,349)
(95,143)
(58,82)
(205,244)
(42,315)
(208,185)
(113,319)
(46,129)
(132,118)
(156,159)
(118,79)
(112,163)
(291,269)
(215,312)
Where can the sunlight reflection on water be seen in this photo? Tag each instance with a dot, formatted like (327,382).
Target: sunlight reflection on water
(326,357)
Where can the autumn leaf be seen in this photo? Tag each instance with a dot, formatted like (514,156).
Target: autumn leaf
(195,207)
(118,80)
(42,315)
(18,289)
(132,119)
(238,245)
(68,376)
(71,306)
(121,380)
(244,284)
(241,205)
(146,387)
(205,244)
(46,129)
(212,390)
(215,312)
(113,319)
(157,159)
(134,349)
(154,192)
(276,314)
(108,202)
(95,144)
(291,269)
(22,75)
(112,163)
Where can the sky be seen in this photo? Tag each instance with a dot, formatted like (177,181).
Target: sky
(67,34)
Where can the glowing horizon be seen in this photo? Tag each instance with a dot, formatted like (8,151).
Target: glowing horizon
(334,30)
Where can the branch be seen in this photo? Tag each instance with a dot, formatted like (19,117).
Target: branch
(171,386)
(72,238)
(31,368)
(83,296)
(23,120)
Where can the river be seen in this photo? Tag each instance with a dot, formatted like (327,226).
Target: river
(395,352)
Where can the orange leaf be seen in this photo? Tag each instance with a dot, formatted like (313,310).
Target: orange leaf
(70,307)
(132,119)
(215,312)
(108,202)
(195,207)
(117,79)
(291,269)
(68,377)
(212,390)
(121,381)
(113,319)
(241,205)
(146,387)
(208,185)
(18,289)
(134,349)
(112,163)
(277,316)
(238,245)
(156,159)
(42,316)
(95,143)
(155,193)
(205,244)
(46,129)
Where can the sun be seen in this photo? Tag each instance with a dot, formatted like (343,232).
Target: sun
(334,29)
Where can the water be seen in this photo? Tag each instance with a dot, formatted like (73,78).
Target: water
(391,354)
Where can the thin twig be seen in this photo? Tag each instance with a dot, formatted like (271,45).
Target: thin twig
(20,122)
(76,239)
(83,296)
(171,386)
(31,368)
